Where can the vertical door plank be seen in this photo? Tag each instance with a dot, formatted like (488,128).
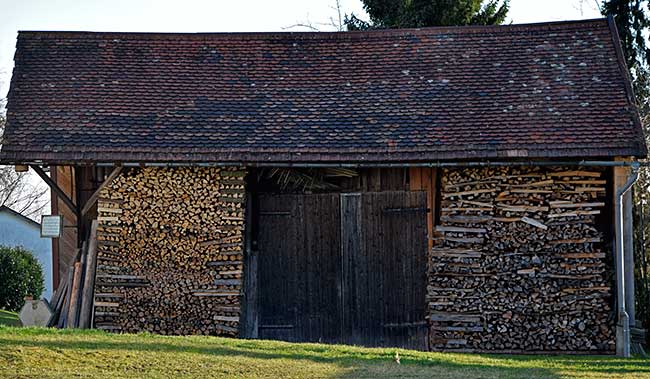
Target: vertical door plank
(415,178)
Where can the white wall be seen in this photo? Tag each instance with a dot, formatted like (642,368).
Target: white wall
(14,230)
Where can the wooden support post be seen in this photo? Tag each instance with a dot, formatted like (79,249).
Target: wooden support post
(93,198)
(250,319)
(425,179)
(56,189)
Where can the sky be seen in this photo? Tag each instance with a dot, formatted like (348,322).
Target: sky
(214,16)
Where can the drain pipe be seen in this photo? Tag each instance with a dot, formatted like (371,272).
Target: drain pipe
(623,325)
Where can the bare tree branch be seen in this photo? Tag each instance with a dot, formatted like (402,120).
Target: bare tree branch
(20,191)
(337,21)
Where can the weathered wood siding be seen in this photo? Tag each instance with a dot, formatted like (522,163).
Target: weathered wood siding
(170,251)
(64,249)
(521,261)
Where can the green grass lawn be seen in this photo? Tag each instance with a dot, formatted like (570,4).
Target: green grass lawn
(51,353)
(9,318)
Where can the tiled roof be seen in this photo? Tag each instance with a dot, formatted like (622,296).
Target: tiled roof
(411,95)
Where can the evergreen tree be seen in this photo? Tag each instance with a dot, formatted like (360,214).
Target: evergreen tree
(390,14)
(632,23)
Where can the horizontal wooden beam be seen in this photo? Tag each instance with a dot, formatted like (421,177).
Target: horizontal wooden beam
(57,190)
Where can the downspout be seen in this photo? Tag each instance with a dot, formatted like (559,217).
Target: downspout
(623,325)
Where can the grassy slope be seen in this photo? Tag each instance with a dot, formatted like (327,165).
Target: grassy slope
(49,353)
(9,318)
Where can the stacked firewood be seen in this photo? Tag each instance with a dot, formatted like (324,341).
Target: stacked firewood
(520,262)
(170,251)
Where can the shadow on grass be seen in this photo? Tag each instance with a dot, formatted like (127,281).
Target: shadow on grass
(368,363)
(9,318)
(355,362)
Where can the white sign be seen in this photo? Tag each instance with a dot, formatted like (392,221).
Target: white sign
(51,226)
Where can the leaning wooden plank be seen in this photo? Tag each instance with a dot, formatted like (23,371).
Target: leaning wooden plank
(87,297)
(58,304)
(73,315)
(63,317)
(56,296)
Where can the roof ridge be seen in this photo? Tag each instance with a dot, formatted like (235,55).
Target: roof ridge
(460,29)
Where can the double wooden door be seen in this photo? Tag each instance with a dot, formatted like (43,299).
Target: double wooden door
(343,268)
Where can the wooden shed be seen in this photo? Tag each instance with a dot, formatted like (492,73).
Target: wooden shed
(452,188)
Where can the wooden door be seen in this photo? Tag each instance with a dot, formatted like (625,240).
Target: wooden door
(299,269)
(347,268)
(385,269)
